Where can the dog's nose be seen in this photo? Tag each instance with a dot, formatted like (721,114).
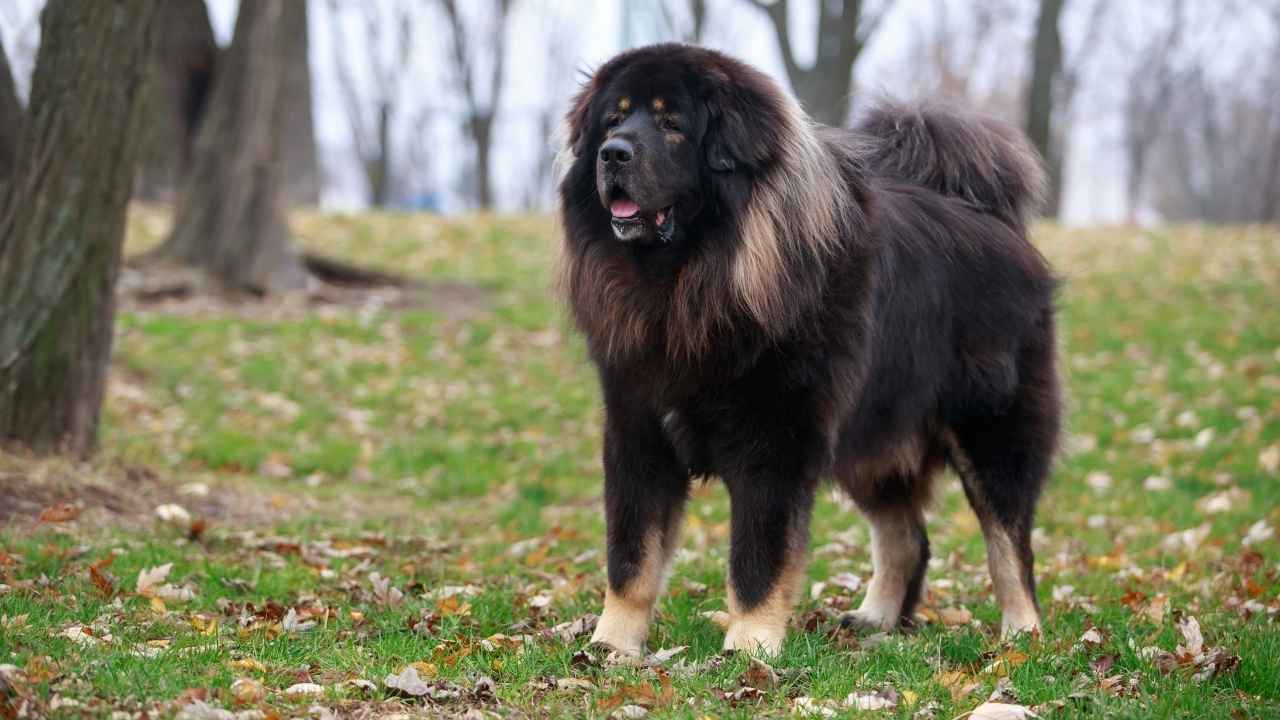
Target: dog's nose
(616,151)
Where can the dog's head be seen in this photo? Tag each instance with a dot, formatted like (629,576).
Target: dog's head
(668,135)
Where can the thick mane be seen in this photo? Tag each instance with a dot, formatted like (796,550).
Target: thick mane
(769,223)
(795,218)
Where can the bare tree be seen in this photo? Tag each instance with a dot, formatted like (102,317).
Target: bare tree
(181,79)
(687,26)
(62,221)
(950,57)
(1056,76)
(298,150)
(558,84)
(844,29)
(230,219)
(1152,81)
(374,105)
(1046,77)
(468,48)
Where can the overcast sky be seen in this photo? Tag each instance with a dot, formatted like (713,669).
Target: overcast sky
(588,32)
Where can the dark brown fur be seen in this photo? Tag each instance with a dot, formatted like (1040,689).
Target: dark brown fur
(862,304)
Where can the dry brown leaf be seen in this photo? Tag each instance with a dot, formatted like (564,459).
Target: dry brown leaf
(953,616)
(247,691)
(60,513)
(759,676)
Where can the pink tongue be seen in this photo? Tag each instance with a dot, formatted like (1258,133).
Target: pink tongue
(624,208)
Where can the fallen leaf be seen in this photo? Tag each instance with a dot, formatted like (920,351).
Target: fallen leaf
(247,691)
(882,699)
(248,664)
(1092,637)
(958,683)
(759,676)
(572,683)
(1269,459)
(291,623)
(200,710)
(1258,533)
(173,514)
(952,616)
(663,656)
(102,580)
(1001,711)
(407,682)
(809,707)
(60,513)
(1156,609)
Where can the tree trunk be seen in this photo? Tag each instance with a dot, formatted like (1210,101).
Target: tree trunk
(230,219)
(301,169)
(62,221)
(183,65)
(1046,63)
(11,117)
(482,136)
(378,167)
(825,89)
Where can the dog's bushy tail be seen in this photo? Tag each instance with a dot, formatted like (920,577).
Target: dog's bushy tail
(985,161)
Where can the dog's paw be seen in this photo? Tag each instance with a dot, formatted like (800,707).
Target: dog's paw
(1011,628)
(867,621)
(623,633)
(756,639)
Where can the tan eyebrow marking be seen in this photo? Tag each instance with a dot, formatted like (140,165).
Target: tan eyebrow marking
(659,104)
(624,104)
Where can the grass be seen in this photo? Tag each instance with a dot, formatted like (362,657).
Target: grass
(455,455)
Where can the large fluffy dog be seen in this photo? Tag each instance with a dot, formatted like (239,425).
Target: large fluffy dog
(770,301)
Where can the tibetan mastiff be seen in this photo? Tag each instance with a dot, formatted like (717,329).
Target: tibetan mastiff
(770,301)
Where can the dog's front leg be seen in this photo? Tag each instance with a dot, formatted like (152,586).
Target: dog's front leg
(644,493)
(769,533)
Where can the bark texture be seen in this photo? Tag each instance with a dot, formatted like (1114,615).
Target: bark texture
(825,88)
(1046,74)
(62,221)
(301,168)
(11,117)
(230,219)
(184,61)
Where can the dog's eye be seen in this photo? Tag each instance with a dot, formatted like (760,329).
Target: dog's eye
(669,125)
(612,121)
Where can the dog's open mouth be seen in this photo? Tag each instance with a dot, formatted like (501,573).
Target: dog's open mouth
(630,224)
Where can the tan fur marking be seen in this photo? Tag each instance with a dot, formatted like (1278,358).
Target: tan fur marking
(624,104)
(763,628)
(796,208)
(624,624)
(659,105)
(895,550)
(1017,607)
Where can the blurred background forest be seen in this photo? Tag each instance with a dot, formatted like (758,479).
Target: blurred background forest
(1148,110)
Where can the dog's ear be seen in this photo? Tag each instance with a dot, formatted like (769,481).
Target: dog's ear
(742,110)
(578,118)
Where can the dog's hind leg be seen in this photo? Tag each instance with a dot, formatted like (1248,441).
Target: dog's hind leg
(645,491)
(894,508)
(1006,521)
(1003,461)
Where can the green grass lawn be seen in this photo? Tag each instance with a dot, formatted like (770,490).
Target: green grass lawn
(374,487)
